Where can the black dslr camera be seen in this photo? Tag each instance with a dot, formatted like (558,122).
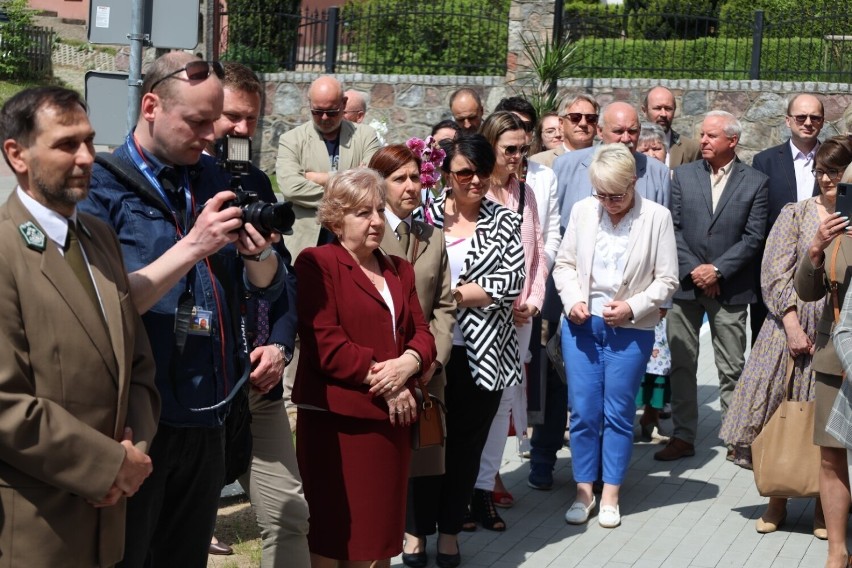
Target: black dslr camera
(233,153)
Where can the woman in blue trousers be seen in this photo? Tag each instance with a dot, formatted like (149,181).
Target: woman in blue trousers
(616,266)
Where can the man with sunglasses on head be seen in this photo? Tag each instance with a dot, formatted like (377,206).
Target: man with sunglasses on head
(192,261)
(309,154)
(578,121)
(788,166)
(659,107)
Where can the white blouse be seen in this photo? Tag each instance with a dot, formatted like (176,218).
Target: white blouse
(611,243)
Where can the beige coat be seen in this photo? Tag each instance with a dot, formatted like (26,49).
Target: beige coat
(650,272)
(303,150)
(432,279)
(68,387)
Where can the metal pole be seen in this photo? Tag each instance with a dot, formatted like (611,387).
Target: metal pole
(331,39)
(756,41)
(134,78)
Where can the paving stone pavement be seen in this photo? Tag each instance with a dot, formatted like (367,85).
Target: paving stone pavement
(697,512)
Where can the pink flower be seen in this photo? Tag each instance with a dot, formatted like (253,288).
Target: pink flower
(416,145)
(427,168)
(427,180)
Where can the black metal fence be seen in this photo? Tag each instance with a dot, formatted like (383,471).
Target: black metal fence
(812,45)
(443,37)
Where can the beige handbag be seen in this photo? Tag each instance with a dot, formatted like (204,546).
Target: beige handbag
(785,459)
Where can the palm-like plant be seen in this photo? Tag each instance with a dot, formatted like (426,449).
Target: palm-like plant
(547,62)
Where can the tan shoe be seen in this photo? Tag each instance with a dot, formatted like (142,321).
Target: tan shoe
(819,522)
(765,525)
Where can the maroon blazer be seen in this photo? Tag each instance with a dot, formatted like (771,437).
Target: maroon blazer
(344,325)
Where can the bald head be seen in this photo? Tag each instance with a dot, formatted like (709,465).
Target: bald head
(327,103)
(467,110)
(356,106)
(659,107)
(619,123)
(805,119)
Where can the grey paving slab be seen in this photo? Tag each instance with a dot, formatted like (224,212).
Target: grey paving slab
(694,513)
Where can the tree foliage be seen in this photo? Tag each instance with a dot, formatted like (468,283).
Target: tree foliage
(16,40)
(263,33)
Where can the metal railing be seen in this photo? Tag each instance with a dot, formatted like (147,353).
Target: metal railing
(443,37)
(707,44)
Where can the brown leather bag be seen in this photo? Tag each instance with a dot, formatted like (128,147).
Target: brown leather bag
(429,430)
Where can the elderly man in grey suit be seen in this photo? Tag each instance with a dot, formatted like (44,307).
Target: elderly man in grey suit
(619,122)
(659,107)
(719,210)
(310,153)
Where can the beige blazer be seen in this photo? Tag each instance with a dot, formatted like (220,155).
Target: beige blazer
(650,273)
(301,150)
(432,279)
(68,387)
(547,157)
(683,150)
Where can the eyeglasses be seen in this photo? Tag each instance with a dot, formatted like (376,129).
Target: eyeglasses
(330,113)
(617,198)
(832,174)
(576,117)
(801,118)
(550,132)
(464,176)
(515,150)
(197,70)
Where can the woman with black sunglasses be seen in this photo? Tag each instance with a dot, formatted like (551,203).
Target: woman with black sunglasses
(487,271)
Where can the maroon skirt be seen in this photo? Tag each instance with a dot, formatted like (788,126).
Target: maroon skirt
(355,475)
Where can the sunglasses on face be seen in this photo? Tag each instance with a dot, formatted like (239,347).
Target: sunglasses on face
(801,118)
(515,150)
(195,71)
(618,198)
(832,174)
(331,113)
(576,117)
(464,176)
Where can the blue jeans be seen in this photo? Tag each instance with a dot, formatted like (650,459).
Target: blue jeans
(605,366)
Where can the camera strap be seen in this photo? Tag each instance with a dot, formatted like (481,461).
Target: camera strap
(134,150)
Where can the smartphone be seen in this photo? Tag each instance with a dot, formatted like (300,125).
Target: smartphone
(844,199)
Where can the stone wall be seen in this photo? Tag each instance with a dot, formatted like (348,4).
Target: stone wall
(411,104)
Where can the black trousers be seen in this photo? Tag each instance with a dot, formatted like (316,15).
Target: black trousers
(170,520)
(442,500)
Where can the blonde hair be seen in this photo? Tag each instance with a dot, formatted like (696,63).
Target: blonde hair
(613,169)
(346,191)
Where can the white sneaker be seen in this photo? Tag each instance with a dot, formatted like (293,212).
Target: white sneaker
(609,516)
(578,513)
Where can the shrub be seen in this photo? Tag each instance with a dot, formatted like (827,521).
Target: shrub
(786,18)
(450,37)
(17,44)
(676,19)
(782,59)
(594,20)
(263,27)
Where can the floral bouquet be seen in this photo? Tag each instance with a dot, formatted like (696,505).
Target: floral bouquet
(431,157)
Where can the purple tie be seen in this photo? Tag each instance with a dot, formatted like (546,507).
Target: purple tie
(262,323)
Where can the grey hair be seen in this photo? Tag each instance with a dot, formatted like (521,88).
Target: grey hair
(581,97)
(732,125)
(651,131)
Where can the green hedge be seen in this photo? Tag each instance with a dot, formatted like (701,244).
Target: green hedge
(447,37)
(711,58)
(786,18)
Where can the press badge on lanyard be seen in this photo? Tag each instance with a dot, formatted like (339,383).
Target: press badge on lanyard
(199,322)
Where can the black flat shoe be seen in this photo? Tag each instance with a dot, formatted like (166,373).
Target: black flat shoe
(448,560)
(415,559)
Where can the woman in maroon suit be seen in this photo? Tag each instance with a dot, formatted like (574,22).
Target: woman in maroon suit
(363,340)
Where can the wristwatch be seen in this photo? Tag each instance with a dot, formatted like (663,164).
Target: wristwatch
(457,295)
(718,273)
(264,254)
(286,353)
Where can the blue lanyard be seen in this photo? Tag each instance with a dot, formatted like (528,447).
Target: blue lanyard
(142,165)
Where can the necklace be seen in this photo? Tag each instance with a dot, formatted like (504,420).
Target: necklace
(374,278)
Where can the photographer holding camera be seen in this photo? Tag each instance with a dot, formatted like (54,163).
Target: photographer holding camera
(191,258)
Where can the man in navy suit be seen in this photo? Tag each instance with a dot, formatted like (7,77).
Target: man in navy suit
(659,107)
(789,166)
(719,214)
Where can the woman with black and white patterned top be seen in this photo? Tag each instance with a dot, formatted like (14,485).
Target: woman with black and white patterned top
(487,270)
